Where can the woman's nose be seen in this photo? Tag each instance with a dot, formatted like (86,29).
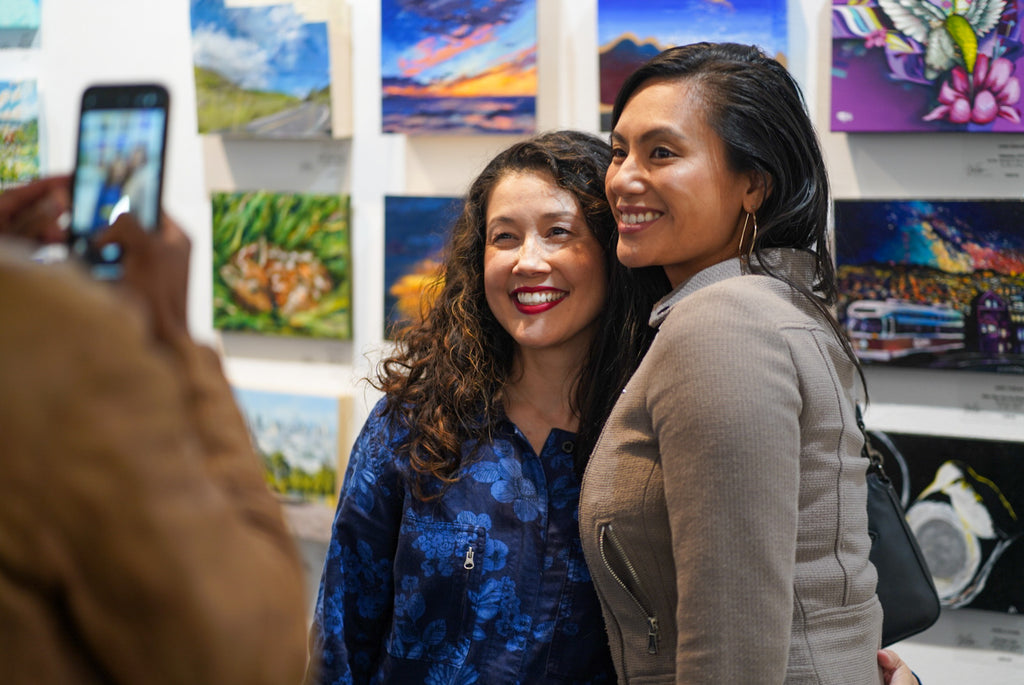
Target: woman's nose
(532,257)
(625,177)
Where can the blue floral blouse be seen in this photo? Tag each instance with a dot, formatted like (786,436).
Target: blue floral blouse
(485,585)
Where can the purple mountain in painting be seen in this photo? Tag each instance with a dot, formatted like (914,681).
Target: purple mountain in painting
(620,59)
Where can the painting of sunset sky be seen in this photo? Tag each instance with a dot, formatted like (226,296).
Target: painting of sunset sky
(629,33)
(456,67)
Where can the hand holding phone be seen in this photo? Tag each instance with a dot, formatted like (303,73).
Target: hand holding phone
(119,167)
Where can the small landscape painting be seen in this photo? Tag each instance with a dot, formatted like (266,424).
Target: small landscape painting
(297,438)
(261,70)
(19,133)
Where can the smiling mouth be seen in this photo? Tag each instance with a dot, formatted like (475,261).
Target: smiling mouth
(532,299)
(630,219)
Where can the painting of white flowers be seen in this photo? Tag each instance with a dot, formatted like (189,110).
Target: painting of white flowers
(927,66)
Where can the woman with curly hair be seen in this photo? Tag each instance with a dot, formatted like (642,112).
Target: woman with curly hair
(455,553)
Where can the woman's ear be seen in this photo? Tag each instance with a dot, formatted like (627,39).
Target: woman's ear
(758,189)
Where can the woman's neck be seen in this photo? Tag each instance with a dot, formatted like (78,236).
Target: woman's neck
(539,396)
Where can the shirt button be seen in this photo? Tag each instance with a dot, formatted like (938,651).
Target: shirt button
(567,446)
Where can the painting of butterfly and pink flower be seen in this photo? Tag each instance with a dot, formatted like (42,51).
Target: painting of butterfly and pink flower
(927,65)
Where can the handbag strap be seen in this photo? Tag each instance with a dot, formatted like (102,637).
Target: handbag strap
(868,451)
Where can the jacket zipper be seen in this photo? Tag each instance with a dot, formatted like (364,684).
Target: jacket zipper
(652,620)
(469,564)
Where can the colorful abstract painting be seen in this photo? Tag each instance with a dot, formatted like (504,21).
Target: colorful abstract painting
(455,67)
(964,500)
(297,438)
(282,264)
(19,23)
(629,33)
(936,284)
(260,70)
(415,229)
(927,65)
(19,133)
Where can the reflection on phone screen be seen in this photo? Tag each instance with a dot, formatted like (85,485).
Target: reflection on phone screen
(118,171)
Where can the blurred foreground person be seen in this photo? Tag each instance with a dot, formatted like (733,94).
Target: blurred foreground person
(138,542)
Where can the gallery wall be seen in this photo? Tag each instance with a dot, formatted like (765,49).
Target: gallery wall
(150,40)
(81,43)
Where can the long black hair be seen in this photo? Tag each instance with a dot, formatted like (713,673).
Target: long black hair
(757,109)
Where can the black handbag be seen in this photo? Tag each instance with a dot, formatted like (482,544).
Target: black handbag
(910,603)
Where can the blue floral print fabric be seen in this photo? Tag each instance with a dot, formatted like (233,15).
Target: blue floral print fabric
(486,584)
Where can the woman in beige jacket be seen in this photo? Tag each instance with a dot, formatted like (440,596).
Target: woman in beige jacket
(723,510)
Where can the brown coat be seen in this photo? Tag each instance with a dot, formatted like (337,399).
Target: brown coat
(138,542)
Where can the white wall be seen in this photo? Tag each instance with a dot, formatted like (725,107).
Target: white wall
(84,42)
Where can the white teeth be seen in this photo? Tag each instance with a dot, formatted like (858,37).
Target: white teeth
(633,219)
(539,297)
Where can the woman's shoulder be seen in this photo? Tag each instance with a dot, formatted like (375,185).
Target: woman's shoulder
(748,301)
(381,438)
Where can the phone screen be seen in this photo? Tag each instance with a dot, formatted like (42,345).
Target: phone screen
(119,166)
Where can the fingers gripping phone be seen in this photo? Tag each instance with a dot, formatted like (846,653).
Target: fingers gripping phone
(119,167)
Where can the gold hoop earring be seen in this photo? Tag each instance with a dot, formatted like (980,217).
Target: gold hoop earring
(753,236)
(743,235)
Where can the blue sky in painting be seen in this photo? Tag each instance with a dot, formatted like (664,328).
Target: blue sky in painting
(19,13)
(675,22)
(304,428)
(267,48)
(512,27)
(289,407)
(18,101)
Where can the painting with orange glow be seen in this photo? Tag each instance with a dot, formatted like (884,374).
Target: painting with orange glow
(415,229)
(456,67)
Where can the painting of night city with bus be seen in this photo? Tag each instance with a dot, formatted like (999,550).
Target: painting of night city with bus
(933,284)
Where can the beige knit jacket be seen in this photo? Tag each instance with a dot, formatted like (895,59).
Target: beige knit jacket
(723,510)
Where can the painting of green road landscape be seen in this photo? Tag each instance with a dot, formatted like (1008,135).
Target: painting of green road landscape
(282,264)
(19,133)
(261,70)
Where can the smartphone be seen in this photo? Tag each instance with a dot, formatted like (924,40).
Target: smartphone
(119,167)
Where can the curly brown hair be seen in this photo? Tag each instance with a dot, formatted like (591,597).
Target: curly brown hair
(444,382)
